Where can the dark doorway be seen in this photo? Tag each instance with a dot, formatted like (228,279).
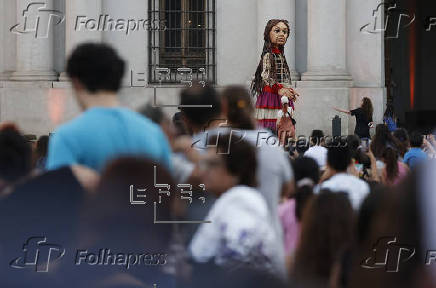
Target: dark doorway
(410,56)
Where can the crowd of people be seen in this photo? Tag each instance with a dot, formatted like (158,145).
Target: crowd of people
(209,196)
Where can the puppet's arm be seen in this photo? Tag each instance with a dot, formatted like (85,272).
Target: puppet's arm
(268,78)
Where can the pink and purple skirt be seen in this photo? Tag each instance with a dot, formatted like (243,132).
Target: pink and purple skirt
(267,106)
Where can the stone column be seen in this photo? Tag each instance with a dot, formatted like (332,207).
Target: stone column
(236,41)
(81,25)
(34,29)
(326,60)
(131,44)
(278,9)
(2,42)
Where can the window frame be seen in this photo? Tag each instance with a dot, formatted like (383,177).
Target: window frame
(160,69)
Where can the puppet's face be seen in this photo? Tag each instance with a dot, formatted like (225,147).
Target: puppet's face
(279,34)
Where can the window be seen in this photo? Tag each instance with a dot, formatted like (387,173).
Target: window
(186,45)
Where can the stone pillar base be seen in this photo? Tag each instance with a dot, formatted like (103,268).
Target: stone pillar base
(326,76)
(64,77)
(325,84)
(314,109)
(34,76)
(5,76)
(295,76)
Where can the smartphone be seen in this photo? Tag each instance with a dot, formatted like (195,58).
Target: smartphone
(365,145)
(359,167)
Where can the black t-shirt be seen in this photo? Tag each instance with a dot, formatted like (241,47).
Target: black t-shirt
(362,121)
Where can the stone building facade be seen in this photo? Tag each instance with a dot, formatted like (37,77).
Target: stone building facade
(335,52)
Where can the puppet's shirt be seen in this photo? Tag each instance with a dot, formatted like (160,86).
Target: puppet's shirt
(274,74)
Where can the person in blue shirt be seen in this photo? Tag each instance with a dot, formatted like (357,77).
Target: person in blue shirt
(415,155)
(104,131)
(389,118)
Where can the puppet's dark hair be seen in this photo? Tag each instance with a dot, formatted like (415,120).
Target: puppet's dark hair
(256,84)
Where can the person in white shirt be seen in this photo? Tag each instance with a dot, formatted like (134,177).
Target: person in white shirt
(337,179)
(317,151)
(240,232)
(273,171)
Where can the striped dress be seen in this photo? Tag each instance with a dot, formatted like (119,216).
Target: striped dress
(268,102)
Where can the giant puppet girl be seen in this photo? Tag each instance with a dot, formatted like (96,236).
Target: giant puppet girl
(272,80)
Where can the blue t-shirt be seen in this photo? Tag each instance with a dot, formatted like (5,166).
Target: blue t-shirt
(414,156)
(101,134)
(392,126)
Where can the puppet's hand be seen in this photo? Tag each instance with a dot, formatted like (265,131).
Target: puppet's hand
(285,92)
(294,94)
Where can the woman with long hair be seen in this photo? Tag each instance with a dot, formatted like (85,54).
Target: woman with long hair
(327,233)
(394,171)
(291,207)
(274,172)
(403,137)
(363,116)
(272,79)
(240,232)
(382,139)
(237,108)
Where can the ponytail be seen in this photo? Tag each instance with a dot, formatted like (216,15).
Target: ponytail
(390,157)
